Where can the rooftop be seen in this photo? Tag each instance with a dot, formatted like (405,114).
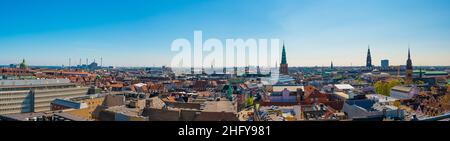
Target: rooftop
(22,116)
(402,88)
(219,106)
(156,103)
(124,110)
(344,86)
(364,103)
(33,82)
(432,72)
(380,98)
(70,117)
(279,88)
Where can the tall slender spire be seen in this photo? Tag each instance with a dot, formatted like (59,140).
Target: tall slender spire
(369,58)
(331,65)
(276,64)
(409,53)
(284,66)
(409,69)
(283,55)
(409,61)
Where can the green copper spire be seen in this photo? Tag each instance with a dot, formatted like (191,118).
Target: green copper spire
(283,56)
(230,92)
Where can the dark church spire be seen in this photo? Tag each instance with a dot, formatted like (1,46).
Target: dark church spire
(409,53)
(409,69)
(332,67)
(369,59)
(409,61)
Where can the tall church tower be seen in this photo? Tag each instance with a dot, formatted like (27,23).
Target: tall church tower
(369,59)
(331,66)
(284,65)
(409,69)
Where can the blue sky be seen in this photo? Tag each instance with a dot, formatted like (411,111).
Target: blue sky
(140,32)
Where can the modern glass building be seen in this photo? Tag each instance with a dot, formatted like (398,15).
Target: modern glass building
(385,64)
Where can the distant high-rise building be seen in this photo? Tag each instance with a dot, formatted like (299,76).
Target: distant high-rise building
(258,70)
(12,65)
(385,64)
(369,59)
(247,70)
(224,70)
(284,65)
(203,70)
(212,68)
(409,69)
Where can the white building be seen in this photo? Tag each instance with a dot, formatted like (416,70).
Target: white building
(368,108)
(24,96)
(344,91)
(402,92)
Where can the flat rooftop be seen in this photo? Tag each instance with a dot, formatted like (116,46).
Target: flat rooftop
(22,116)
(219,106)
(33,82)
(71,117)
(124,110)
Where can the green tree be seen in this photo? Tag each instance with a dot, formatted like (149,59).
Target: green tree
(380,87)
(250,100)
(384,88)
(392,84)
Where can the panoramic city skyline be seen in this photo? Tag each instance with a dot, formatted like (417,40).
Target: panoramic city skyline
(135,33)
(223,69)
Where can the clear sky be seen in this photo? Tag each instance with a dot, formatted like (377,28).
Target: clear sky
(140,32)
